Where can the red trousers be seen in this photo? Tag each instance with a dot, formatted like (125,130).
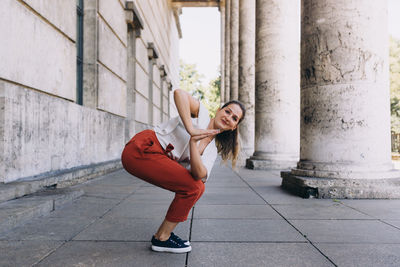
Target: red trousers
(144,158)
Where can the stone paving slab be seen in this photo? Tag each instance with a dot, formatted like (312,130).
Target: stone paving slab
(144,197)
(229,196)
(127,229)
(395,223)
(109,191)
(19,211)
(366,255)
(255,254)
(119,178)
(277,195)
(321,210)
(235,212)
(250,175)
(377,208)
(264,181)
(348,231)
(25,253)
(82,253)
(46,228)
(230,230)
(233,225)
(226,183)
(86,206)
(138,211)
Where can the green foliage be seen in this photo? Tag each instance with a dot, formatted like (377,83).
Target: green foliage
(394,64)
(192,81)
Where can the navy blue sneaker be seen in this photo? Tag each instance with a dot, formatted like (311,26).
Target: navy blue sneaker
(169,245)
(178,239)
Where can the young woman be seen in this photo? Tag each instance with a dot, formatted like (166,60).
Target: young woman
(178,156)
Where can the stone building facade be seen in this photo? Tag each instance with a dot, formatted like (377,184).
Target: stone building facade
(312,74)
(77,79)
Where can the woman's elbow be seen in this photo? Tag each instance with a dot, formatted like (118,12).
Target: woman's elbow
(199,175)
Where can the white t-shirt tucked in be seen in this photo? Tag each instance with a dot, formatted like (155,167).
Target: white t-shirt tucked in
(173,132)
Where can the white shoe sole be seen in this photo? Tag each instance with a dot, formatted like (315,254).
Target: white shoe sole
(172,250)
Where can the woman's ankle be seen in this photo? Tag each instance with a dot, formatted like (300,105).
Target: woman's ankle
(162,237)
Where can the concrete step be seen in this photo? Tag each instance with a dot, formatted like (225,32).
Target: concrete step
(59,179)
(21,210)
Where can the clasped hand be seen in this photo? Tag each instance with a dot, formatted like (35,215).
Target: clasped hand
(199,134)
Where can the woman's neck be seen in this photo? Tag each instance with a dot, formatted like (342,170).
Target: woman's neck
(211,125)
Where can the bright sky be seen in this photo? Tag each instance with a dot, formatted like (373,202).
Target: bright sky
(200,44)
(394,18)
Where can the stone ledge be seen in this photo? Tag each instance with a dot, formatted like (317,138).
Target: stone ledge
(19,211)
(58,179)
(307,187)
(264,164)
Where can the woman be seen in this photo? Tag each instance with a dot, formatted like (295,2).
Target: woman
(178,156)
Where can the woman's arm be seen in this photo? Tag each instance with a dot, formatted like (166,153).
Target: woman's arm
(197,169)
(187,107)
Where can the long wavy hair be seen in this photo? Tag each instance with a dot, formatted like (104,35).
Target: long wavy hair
(227,142)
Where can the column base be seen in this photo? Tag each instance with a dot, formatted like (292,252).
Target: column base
(307,187)
(266,164)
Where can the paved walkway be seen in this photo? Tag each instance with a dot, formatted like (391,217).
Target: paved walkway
(243,219)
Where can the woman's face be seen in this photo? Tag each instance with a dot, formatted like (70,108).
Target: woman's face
(228,117)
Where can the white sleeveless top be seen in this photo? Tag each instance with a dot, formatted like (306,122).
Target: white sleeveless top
(174,132)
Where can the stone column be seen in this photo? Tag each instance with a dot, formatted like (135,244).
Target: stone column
(277,85)
(345,116)
(247,48)
(227,50)
(222,65)
(135,25)
(234,50)
(90,47)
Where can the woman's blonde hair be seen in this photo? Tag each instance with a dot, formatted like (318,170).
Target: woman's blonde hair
(227,142)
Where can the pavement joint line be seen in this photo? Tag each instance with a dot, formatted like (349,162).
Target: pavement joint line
(253,242)
(292,219)
(86,227)
(357,210)
(49,253)
(381,220)
(305,236)
(385,222)
(190,235)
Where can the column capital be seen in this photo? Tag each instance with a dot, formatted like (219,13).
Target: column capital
(151,51)
(163,73)
(133,18)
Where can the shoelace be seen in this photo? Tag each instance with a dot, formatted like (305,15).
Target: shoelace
(177,238)
(178,244)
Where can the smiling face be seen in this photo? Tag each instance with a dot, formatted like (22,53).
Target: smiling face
(228,117)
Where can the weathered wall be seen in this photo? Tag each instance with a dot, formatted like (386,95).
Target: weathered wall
(159,29)
(49,64)
(46,134)
(112,56)
(42,129)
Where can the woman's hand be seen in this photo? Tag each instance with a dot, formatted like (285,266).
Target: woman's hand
(198,134)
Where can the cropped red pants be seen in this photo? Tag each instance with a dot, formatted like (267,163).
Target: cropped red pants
(144,158)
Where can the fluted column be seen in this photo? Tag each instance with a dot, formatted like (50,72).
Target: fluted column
(234,50)
(345,116)
(227,49)
(247,48)
(277,85)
